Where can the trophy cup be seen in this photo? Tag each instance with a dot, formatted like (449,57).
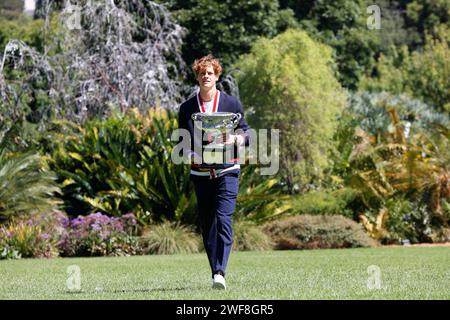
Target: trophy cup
(215,124)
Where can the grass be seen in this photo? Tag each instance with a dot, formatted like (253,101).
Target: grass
(406,273)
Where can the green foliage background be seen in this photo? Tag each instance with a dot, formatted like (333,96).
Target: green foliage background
(363,115)
(288,83)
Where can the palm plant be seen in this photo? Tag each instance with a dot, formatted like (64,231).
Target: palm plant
(26,186)
(424,168)
(396,165)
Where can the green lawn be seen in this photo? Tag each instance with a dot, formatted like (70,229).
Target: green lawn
(406,273)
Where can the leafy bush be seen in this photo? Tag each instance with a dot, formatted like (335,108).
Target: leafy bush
(100,235)
(260,198)
(312,232)
(410,163)
(171,238)
(27,30)
(325,203)
(403,219)
(8,252)
(370,112)
(26,186)
(123,164)
(249,237)
(29,241)
(31,237)
(295,72)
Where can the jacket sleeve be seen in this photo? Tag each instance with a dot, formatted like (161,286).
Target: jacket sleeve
(243,125)
(183,124)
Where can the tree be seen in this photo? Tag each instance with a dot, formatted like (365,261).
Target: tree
(288,83)
(29,31)
(343,26)
(422,75)
(227,28)
(426,17)
(108,60)
(11,9)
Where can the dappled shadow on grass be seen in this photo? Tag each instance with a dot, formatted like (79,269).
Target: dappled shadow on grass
(149,290)
(130,290)
(136,290)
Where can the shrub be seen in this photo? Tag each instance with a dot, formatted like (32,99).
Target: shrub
(313,232)
(171,238)
(123,164)
(249,237)
(324,202)
(27,30)
(26,186)
(31,237)
(100,235)
(8,252)
(260,199)
(407,220)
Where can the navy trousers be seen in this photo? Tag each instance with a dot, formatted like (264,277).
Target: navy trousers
(216,200)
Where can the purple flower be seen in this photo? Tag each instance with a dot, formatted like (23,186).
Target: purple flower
(96,227)
(83,234)
(129,216)
(45,236)
(65,223)
(129,222)
(98,217)
(76,222)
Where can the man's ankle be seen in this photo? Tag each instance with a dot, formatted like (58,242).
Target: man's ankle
(219,272)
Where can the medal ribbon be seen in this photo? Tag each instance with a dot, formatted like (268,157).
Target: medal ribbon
(202,106)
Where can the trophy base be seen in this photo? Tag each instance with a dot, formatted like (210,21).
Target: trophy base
(215,146)
(213,156)
(211,166)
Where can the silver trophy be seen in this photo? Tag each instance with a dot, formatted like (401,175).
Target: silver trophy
(216,124)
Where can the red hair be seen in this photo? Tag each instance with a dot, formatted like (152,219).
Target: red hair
(201,64)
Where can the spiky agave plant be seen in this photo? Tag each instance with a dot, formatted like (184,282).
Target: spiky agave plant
(26,186)
(260,198)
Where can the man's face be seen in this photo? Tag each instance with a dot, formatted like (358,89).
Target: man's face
(207,78)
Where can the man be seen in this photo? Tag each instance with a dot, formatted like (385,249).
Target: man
(216,188)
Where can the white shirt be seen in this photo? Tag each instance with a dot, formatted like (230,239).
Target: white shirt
(208,105)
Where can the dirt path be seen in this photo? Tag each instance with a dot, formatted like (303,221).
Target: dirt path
(445,244)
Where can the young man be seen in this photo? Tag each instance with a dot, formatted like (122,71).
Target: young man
(216,188)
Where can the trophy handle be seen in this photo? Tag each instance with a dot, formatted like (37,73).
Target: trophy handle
(237,118)
(195,117)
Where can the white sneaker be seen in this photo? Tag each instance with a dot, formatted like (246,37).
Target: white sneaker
(219,282)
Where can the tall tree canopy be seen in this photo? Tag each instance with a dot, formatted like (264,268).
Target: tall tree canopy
(288,83)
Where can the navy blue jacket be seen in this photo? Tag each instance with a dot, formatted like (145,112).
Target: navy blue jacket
(227,103)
